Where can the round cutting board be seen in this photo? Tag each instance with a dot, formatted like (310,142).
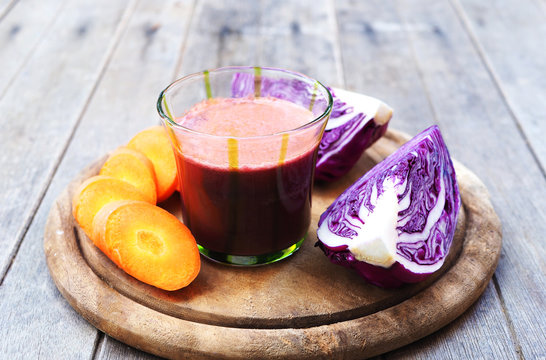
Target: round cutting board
(301,307)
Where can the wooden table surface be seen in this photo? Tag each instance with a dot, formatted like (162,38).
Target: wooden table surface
(79,78)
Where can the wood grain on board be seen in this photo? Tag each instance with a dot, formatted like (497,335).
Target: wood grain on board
(258,310)
(123,103)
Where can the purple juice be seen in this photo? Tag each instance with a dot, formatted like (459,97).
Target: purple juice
(251,211)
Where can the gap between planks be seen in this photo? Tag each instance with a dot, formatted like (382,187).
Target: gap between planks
(179,61)
(7,8)
(494,74)
(338,54)
(513,333)
(197,8)
(465,22)
(420,74)
(106,60)
(97,346)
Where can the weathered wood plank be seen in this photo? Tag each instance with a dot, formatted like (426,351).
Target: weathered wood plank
(511,38)
(380,60)
(42,106)
(293,35)
(300,35)
(221,34)
(123,103)
(39,112)
(20,32)
(482,134)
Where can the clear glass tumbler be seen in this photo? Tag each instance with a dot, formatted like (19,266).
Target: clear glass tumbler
(246,199)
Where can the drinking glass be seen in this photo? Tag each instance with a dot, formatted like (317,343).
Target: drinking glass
(246,199)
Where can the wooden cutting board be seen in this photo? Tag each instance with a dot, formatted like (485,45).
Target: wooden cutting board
(301,307)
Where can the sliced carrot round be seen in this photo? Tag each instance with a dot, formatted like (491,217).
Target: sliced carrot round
(96,192)
(155,144)
(134,167)
(148,243)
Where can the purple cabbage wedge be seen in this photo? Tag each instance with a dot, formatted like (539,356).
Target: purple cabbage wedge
(396,223)
(357,121)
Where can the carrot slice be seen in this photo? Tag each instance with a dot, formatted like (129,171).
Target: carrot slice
(155,144)
(96,192)
(148,243)
(134,167)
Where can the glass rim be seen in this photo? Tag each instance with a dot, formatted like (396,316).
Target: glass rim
(165,116)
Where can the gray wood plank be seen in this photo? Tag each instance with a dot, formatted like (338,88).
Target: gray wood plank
(20,32)
(486,138)
(377,61)
(510,36)
(293,35)
(301,35)
(36,320)
(221,33)
(39,113)
(122,104)
(42,106)
(380,60)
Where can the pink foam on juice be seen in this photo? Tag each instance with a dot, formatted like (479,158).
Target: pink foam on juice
(245,117)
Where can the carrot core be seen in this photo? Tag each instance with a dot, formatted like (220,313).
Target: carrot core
(148,241)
